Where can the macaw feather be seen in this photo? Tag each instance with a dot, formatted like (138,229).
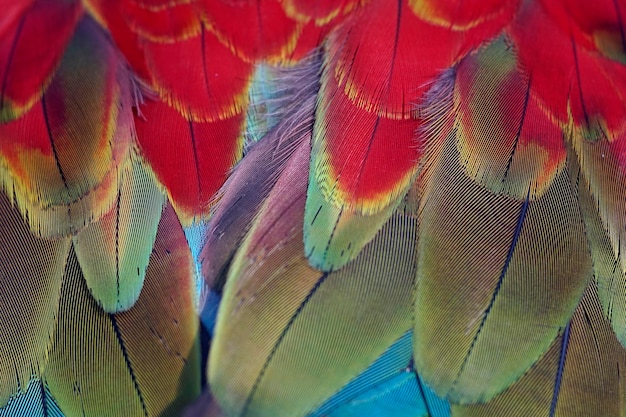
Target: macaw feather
(580,375)
(497,278)
(395,361)
(292,106)
(319,11)
(204,406)
(108,14)
(263,30)
(398,396)
(279,92)
(467,15)
(299,321)
(506,141)
(366,141)
(389,386)
(146,358)
(31,271)
(36,401)
(598,175)
(571,78)
(27,63)
(190,159)
(311,38)
(114,251)
(333,236)
(199,76)
(169,24)
(59,161)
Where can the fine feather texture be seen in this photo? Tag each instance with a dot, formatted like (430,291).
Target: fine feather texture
(389,386)
(435,210)
(113,252)
(263,31)
(506,141)
(191,159)
(366,148)
(97,356)
(168,24)
(603,221)
(497,278)
(26,63)
(318,11)
(36,401)
(215,80)
(109,15)
(277,306)
(59,160)
(580,375)
(31,271)
(292,105)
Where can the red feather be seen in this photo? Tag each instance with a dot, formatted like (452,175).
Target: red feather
(200,77)
(27,61)
(191,159)
(262,30)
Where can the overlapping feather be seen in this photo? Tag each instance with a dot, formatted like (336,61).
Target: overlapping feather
(498,127)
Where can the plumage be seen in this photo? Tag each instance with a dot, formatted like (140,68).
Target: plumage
(190,159)
(300,299)
(577,376)
(36,401)
(231,208)
(266,32)
(487,267)
(113,252)
(31,271)
(215,79)
(96,356)
(245,190)
(59,161)
(26,64)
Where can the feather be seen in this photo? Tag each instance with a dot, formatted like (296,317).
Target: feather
(299,321)
(466,15)
(126,355)
(171,23)
(59,160)
(109,15)
(366,122)
(205,406)
(380,377)
(492,271)
(572,79)
(506,141)
(262,30)
(191,159)
(310,39)
(36,401)
(199,76)
(397,396)
(31,271)
(319,11)
(580,375)
(598,177)
(389,386)
(26,63)
(251,181)
(113,252)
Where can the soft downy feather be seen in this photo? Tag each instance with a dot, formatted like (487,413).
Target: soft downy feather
(253,178)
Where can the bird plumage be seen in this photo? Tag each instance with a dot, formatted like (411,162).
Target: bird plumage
(405,208)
